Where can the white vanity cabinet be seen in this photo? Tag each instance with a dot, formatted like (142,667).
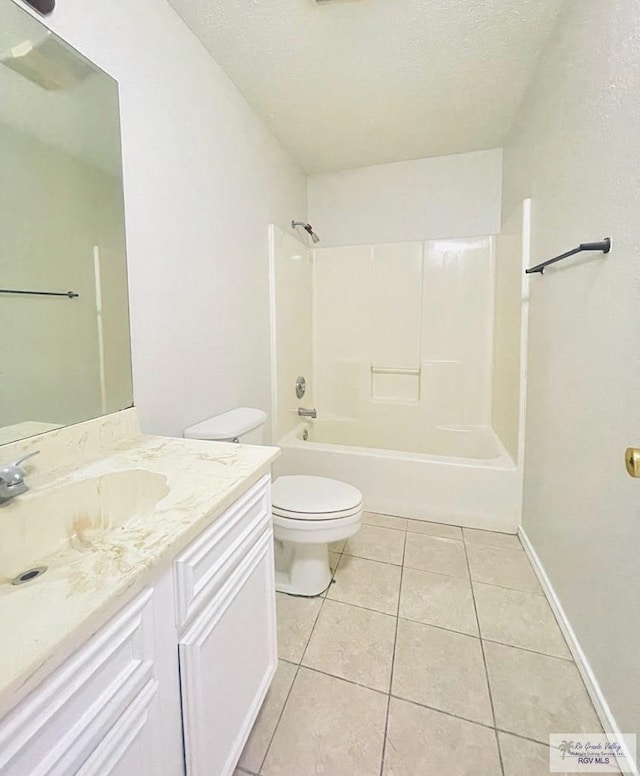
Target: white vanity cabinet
(111,708)
(227,624)
(176,679)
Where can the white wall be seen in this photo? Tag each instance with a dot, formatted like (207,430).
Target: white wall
(576,150)
(203,179)
(444,196)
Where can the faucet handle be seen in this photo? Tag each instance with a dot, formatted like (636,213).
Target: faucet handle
(25,458)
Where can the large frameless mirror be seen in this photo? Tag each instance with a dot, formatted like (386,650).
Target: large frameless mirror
(64,317)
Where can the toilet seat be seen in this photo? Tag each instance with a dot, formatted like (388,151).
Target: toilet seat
(302,497)
(315,516)
(308,514)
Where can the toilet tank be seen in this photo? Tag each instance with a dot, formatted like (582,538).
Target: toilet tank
(244,424)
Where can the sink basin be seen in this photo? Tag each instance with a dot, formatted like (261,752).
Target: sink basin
(42,522)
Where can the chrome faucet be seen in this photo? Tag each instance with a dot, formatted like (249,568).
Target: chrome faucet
(304,413)
(12,479)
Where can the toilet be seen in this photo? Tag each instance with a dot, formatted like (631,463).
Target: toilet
(308,512)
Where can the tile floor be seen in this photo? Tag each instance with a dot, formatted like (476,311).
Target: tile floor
(433,653)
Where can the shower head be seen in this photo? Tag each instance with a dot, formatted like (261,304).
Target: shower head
(308,228)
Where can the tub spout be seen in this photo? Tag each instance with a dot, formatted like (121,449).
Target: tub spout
(304,413)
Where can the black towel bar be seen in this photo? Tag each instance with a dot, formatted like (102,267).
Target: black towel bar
(603,245)
(68,294)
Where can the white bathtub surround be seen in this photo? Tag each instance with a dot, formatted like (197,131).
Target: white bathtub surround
(403,332)
(580,507)
(291,291)
(100,566)
(511,331)
(402,343)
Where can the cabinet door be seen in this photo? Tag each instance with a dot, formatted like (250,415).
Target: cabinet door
(113,707)
(227,660)
(132,746)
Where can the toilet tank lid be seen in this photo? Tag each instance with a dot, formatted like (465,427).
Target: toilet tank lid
(229,425)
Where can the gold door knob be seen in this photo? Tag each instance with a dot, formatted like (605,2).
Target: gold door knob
(632,461)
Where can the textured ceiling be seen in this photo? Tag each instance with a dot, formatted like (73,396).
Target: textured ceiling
(348,84)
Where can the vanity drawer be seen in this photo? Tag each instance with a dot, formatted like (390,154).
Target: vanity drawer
(204,566)
(55,729)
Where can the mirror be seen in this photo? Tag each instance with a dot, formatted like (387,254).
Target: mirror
(64,314)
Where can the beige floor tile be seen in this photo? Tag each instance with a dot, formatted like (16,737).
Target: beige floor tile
(524,758)
(337,546)
(385,521)
(433,553)
(437,599)
(520,619)
(334,560)
(354,644)
(296,617)
(441,669)
(491,539)
(421,742)
(265,725)
(497,566)
(434,529)
(534,695)
(375,543)
(367,583)
(328,727)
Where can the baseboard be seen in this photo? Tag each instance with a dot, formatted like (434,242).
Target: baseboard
(586,672)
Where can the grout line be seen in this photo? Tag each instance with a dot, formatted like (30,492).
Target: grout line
(442,711)
(484,661)
(344,679)
(277,725)
(375,560)
(366,608)
(437,522)
(527,649)
(439,627)
(524,738)
(435,535)
(388,527)
(537,592)
(482,638)
(393,661)
(298,666)
(315,622)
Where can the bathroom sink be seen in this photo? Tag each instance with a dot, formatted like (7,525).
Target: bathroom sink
(73,515)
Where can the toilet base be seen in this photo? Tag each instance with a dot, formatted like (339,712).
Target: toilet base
(302,569)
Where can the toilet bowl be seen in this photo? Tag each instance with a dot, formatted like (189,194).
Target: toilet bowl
(308,512)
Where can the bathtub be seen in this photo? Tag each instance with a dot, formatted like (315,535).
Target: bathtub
(460,475)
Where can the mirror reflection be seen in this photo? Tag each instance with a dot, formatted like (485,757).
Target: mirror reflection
(64,349)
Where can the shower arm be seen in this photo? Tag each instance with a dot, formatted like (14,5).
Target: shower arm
(308,228)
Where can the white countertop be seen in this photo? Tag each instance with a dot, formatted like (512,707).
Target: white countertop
(45,620)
